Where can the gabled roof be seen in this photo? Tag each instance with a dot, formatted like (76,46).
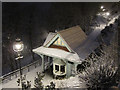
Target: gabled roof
(73,36)
(49,37)
(58,53)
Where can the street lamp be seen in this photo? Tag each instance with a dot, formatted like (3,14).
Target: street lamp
(107,13)
(18,46)
(102,7)
(103,10)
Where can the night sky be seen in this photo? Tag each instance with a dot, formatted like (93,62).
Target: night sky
(33,21)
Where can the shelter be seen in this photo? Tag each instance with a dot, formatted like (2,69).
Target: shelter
(59,50)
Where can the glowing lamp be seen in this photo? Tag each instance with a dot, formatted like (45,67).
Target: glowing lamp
(102,7)
(18,46)
(107,13)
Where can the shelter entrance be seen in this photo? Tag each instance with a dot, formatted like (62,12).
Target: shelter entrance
(48,61)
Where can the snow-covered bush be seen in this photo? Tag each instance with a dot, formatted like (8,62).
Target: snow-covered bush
(102,71)
(38,81)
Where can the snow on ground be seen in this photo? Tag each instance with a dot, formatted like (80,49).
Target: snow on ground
(30,76)
(90,44)
(113,20)
(72,82)
(0,86)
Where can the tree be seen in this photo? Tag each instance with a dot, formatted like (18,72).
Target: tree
(103,69)
(39,85)
(38,81)
(50,87)
(64,15)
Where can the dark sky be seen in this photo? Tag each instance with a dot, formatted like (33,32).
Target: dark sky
(20,18)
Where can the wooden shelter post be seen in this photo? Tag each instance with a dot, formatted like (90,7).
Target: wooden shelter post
(43,63)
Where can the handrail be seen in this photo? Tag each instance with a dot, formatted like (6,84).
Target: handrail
(15,71)
(21,68)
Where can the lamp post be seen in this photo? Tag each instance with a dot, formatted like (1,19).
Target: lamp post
(18,46)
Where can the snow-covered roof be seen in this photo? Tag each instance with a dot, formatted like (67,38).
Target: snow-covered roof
(86,49)
(58,53)
(77,41)
(81,44)
(49,37)
(73,36)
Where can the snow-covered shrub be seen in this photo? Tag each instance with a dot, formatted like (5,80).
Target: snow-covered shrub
(38,81)
(102,72)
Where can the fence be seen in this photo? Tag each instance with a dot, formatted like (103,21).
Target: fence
(14,74)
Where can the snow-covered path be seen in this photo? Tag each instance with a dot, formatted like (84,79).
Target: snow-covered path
(90,43)
(30,76)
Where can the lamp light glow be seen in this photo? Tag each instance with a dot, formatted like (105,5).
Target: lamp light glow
(18,46)
(103,10)
(102,7)
(107,13)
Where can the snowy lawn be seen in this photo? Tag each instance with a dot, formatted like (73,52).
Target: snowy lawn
(72,82)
